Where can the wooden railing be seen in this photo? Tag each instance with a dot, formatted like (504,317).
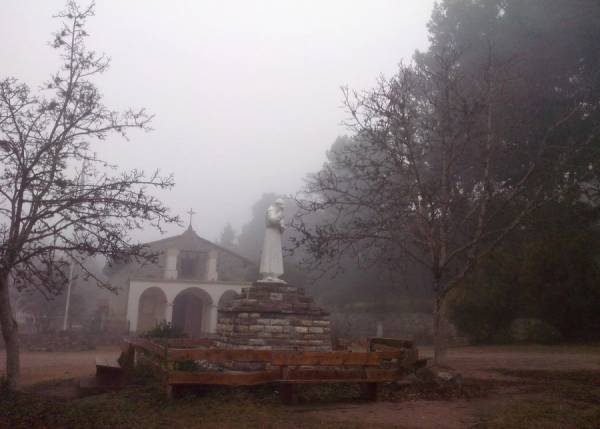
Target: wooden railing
(387,360)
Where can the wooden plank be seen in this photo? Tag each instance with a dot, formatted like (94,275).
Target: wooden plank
(220,355)
(190,342)
(334,358)
(337,381)
(324,358)
(149,346)
(390,342)
(339,376)
(391,354)
(107,363)
(223,378)
(328,374)
(410,359)
(285,358)
(294,377)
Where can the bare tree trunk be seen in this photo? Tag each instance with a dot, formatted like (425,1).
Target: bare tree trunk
(439,340)
(8,324)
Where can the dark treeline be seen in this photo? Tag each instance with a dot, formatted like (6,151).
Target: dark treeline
(547,267)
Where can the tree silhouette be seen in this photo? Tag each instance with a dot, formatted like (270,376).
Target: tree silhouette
(50,217)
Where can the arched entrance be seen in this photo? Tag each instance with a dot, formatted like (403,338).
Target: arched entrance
(191,312)
(152,306)
(227,297)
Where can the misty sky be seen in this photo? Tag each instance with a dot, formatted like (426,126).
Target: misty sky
(246,93)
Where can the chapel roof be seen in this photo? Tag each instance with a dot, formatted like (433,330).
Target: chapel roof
(189,240)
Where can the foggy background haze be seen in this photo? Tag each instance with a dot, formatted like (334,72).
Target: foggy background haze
(246,94)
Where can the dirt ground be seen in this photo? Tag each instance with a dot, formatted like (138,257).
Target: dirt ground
(474,363)
(37,367)
(471,362)
(478,363)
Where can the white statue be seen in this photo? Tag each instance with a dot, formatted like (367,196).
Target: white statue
(271,260)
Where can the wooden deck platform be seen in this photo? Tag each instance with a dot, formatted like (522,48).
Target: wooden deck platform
(180,363)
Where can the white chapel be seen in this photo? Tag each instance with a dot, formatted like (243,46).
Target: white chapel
(185,287)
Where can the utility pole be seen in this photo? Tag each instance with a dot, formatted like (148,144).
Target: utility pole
(66,318)
(72,264)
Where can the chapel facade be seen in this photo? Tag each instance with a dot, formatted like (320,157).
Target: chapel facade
(186,286)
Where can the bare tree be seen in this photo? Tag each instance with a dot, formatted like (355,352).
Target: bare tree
(427,173)
(48,217)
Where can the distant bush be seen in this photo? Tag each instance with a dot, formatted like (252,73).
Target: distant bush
(534,331)
(164,330)
(483,309)
(502,336)
(548,270)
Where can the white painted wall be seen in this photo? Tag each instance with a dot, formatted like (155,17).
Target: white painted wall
(173,288)
(211,266)
(171,263)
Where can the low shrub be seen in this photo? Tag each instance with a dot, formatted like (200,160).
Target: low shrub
(164,329)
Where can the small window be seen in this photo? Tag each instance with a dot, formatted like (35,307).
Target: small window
(191,265)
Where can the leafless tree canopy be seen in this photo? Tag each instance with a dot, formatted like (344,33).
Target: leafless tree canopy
(444,161)
(58,201)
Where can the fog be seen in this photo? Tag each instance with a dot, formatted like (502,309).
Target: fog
(246,94)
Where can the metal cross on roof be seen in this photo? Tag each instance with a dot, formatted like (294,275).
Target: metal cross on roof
(191,213)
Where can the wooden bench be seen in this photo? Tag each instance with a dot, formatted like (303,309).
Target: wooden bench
(287,368)
(108,372)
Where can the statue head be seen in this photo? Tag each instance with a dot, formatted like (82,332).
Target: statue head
(279,203)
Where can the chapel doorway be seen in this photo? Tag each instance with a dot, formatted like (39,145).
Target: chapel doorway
(191,311)
(151,310)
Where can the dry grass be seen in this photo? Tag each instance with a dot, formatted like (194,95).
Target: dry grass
(504,387)
(550,400)
(144,407)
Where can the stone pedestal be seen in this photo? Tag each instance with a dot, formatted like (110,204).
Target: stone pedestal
(274,316)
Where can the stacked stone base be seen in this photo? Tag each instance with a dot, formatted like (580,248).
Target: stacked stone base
(274,316)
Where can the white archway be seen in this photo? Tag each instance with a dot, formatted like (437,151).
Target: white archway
(192,311)
(227,296)
(152,309)
(171,289)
